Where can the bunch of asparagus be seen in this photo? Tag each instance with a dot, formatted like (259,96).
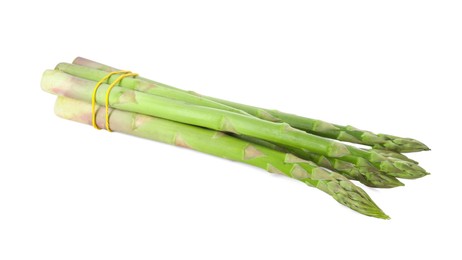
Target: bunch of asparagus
(305,149)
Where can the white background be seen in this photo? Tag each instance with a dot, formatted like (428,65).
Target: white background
(68,191)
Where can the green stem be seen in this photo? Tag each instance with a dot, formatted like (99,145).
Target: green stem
(367,175)
(145,86)
(60,83)
(315,126)
(225,146)
(295,137)
(374,180)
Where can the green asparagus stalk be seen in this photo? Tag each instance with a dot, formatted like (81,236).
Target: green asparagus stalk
(145,86)
(239,124)
(318,127)
(60,83)
(342,133)
(225,146)
(367,175)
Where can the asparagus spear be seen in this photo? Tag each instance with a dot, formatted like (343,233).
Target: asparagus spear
(144,86)
(60,83)
(318,127)
(343,133)
(366,174)
(222,145)
(280,133)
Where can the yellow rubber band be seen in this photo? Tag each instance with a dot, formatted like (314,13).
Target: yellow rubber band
(95,90)
(108,92)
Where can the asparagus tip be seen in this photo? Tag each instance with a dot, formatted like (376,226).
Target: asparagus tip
(382,215)
(380,180)
(400,144)
(352,196)
(410,170)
